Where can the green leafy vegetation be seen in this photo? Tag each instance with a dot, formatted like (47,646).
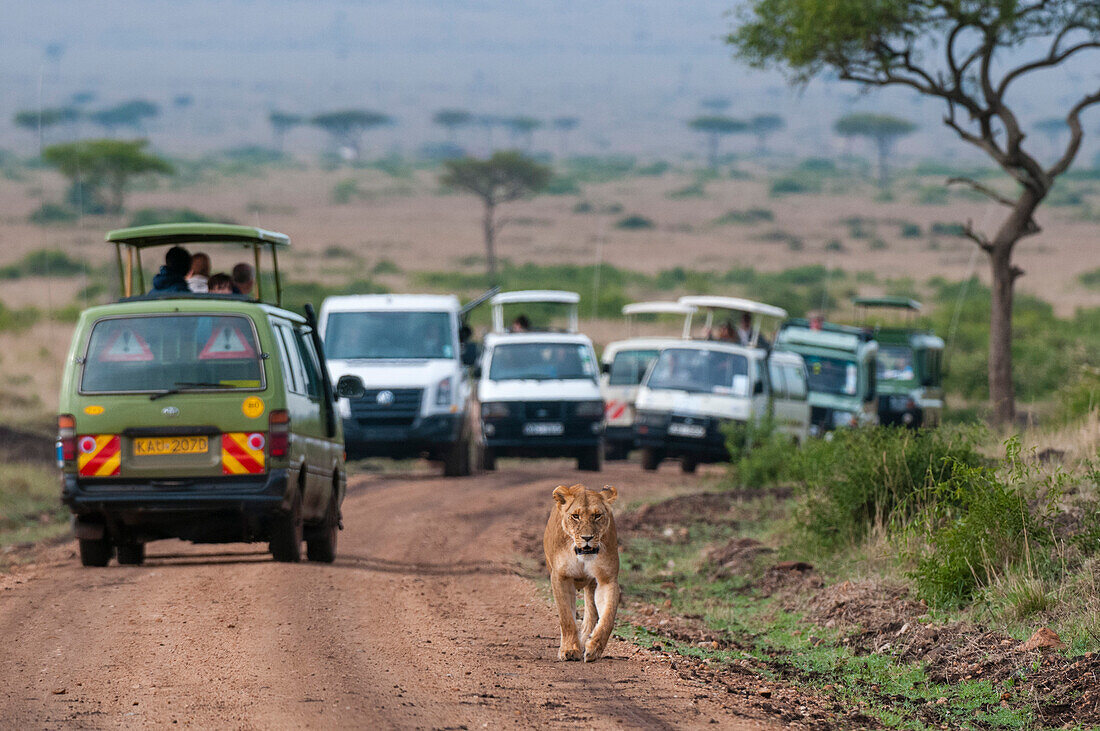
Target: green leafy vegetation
(747,217)
(150,216)
(29,508)
(43,263)
(635,222)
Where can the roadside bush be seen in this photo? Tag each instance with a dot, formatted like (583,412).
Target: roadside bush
(746,217)
(759,455)
(792,185)
(910,230)
(48,213)
(1080,396)
(43,263)
(634,222)
(1090,279)
(17,320)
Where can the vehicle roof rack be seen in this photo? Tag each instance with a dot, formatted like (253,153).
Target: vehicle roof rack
(655,308)
(137,238)
(534,296)
(710,303)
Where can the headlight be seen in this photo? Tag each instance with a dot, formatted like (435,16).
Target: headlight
(494,410)
(443,392)
(590,409)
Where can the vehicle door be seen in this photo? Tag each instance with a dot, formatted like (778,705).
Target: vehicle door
(759,389)
(781,403)
(798,405)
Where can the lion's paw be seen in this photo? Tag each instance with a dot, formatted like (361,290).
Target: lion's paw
(593,651)
(570,654)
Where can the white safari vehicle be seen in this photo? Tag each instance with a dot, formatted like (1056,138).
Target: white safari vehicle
(413,398)
(538,390)
(695,387)
(623,365)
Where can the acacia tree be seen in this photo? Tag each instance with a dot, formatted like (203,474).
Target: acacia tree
(882,129)
(954,51)
(281,124)
(39,121)
(452,120)
(715,127)
(131,114)
(104,167)
(763,126)
(504,177)
(523,130)
(346,127)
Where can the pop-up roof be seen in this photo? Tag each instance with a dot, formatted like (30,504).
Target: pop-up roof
(659,308)
(534,296)
(711,303)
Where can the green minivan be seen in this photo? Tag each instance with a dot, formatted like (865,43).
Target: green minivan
(204,417)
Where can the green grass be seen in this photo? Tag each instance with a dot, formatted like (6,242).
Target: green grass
(30,506)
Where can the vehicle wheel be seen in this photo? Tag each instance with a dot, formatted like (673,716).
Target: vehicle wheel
(591,459)
(321,545)
(651,459)
(456,462)
(687,466)
(486,458)
(95,551)
(287,532)
(131,554)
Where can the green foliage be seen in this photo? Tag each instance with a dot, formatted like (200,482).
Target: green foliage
(560,185)
(593,169)
(940,228)
(49,212)
(150,216)
(692,190)
(345,191)
(1091,278)
(760,456)
(385,266)
(105,167)
(506,176)
(716,124)
(879,127)
(131,113)
(43,263)
(634,222)
(932,195)
(51,116)
(835,245)
(910,230)
(29,508)
(296,294)
(12,320)
(1080,395)
(654,169)
(746,217)
(794,185)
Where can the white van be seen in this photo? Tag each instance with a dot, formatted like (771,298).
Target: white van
(406,349)
(537,391)
(695,387)
(623,365)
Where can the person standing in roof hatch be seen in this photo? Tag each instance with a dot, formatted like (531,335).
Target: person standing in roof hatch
(172,277)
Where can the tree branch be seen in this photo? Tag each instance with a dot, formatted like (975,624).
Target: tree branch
(985,190)
(1052,59)
(1073,119)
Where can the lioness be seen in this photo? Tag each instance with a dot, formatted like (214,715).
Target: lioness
(582,551)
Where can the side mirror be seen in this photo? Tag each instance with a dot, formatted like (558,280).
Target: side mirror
(758,388)
(605,367)
(350,387)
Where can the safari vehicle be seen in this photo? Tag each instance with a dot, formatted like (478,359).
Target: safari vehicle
(205,417)
(696,387)
(623,365)
(841,365)
(538,392)
(910,372)
(407,359)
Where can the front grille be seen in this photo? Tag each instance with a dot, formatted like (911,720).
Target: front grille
(402,410)
(548,410)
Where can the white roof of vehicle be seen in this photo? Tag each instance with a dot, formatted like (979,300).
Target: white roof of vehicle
(657,308)
(536,337)
(719,345)
(733,303)
(536,295)
(372,302)
(652,343)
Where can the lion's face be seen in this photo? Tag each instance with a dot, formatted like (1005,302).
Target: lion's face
(585,516)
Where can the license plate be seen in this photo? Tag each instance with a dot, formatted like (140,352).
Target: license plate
(687,430)
(170,445)
(543,429)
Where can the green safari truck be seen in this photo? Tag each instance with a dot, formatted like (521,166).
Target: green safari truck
(204,417)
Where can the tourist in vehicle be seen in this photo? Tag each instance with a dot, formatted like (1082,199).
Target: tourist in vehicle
(520,325)
(726,333)
(200,273)
(172,277)
(244,279)
(744,330)
(219,283)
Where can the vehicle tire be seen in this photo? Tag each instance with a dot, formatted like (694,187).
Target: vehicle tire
(131,554)
(456,462)
(651,459)
(486,458)
(591,459)
(287,532)
(321,544)
(688,465)
(95,551)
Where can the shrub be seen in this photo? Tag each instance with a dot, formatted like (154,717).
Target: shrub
(634,222)
(834,245)
(583,207)
(792,185)
(1090,279)
(654,169)
(693,190)
(1081,395)
(17,320)
(152,216)
(346,191)
(759,455)
(385,266)
(939,228)
(43,263)
(910,230)
(562,185)
(932,195)
(48,213)
(746,217)
(877,244)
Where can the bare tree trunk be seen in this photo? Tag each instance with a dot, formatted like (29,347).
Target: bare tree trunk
(490,250)
(1002,391)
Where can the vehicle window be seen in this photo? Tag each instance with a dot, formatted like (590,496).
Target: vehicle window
(309,361)
(541,362)
(796,381)
(701,371)
(779,384)
(149,353)
(295,373)
(629,366)
(895,363)
(832,375)
(380,335)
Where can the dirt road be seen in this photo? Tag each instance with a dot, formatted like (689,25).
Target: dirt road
(428,619)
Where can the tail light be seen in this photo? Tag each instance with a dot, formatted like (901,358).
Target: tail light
(278,432)
(66,437)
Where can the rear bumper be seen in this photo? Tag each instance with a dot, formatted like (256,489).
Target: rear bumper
(430,434)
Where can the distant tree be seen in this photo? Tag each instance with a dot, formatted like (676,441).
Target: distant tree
(452,120)
(714,127)
(131,114)
(564,125)
(281,124)
(504,177)
(715,104)
(488,122)
(105,167)
(81,98)
(34,119)
(882,129)
(523,129)
(969,55)
(346,127)
(763,126)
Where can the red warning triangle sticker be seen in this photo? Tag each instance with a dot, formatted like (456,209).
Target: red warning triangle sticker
(126,346)
(227,342)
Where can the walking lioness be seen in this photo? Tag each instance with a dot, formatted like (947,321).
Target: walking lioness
(582,551)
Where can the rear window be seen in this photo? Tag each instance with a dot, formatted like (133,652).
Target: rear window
(629,366)
(163,352)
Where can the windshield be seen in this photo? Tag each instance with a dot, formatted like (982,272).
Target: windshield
(832,375)
(629,366)
(701,371)
(895,363)
(394,335)
(158,353)
(541,362)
